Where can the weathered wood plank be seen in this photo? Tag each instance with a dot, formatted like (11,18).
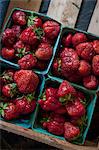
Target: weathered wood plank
(94,23)
(65,11)
(42,138)
(25,4)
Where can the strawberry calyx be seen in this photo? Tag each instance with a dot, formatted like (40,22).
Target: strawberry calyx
(31,20)
(22,52)
(3,106)
(67,98)
(59,64)
(43,96)
(45,119)
(82,122)
(13,90)
(39,32)
(30,97)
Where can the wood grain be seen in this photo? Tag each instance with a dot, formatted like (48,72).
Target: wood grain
(25,4)
(42,138)
(94,23)
(65,11)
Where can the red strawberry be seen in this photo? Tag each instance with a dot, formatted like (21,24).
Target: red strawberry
(44,51)
(19,17)
(51,29)
(55,128)
(8,53)
(46,40)
(51,92)
(78,38)
(75,109)
(85,51)
(57,67)
(71,132)
(57,117)
(80,95)
(9,90)
(61,110)
(8,76)
(31,36)
(17,30)
(95,65)
(8,37)
(69,60)
(67,40)
(84,68)
(66,91)
(81,122)
(27,62)
(73,76)
(96,46)
(41,65)
(8,111)
(90,82)
(34,20)
(26,80)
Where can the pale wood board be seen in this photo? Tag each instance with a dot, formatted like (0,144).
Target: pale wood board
(25,4)
(94,23)
(43,138)
(65,11)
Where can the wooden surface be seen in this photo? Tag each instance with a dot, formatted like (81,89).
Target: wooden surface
(43,138)
(25,4)
(94,24)
(65,11)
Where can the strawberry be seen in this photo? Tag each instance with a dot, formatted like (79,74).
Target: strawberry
(73,76)
(51,92)
(34,20)
(9,90)
(66,91)
(85,51)
(45,39)
(17,30)
(57,67)
(95,65)
(81,95)
(71,132)
(61,110)
(96,46)
(84,68)
(31,35)
(21,49)
(67,40)
(90,82)
(7,76)
(44,51)
(19,17)
(27,62)
(78,38)
(51,29)
(26,80)
(69,60)
(8,37)
(75,108)
(56,117)
(8,53)
(8,111)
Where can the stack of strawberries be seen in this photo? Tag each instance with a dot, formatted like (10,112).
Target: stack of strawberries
(30,40)
(18,90)
(78,60)
(63,111)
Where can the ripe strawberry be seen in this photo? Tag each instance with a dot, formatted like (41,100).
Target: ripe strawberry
(66,91)
(45,39)
(21,49)
(71,132)
(69,60)
(75,109)
(90,82)
(19,17)
(67,40)
(73,76)
(7,76)
(78,38)
(85,51)
(27,62)
(84,68)
(41,65)
(51,29)
(8,111)
(17,30)
(9,90)
(95,65)
(44,51)
(57,117)
(57,67)
(8,53)
(34,20)
(51,92)
(8,37)
(61,110)
(26,80)
(31,35)
(96,46)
